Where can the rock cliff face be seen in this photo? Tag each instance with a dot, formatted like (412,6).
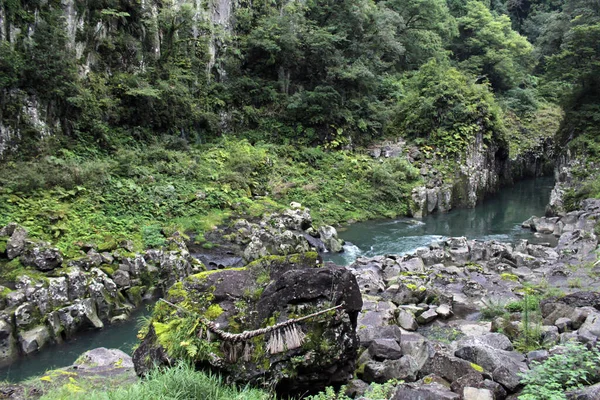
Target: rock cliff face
(482,170)
(46,298)
(86,37)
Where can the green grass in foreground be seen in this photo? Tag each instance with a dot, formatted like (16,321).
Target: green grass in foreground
(181,382)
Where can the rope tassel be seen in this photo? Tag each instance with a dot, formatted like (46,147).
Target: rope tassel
(289,337)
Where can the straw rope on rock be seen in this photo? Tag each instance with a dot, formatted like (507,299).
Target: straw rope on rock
(286,335)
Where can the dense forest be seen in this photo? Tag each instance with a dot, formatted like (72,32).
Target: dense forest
(183,111)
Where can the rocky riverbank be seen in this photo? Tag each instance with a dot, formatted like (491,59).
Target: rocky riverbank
(46,299)
(448,319)
(460,319)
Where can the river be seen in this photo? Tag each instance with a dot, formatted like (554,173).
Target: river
(122,335)
(498,218)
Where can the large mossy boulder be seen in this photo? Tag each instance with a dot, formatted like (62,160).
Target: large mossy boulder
(310,354)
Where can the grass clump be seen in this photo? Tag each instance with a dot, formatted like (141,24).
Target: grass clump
(180,382)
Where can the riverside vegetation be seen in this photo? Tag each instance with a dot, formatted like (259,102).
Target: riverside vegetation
(131,126)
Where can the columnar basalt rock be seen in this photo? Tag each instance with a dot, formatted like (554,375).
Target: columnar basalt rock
(52,298)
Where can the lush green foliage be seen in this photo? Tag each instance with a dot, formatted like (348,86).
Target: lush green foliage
(446,111)
(570,369)
(375,391)
(488,46)
(144,193)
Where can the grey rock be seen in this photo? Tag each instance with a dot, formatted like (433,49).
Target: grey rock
(416,346)
(508,377)
(103,357)
(591,325)
(95,259)
(551,311)
(41,256)
(406,368)
(473,379)
(496,388)
(368,334)
(434,391)
(447,366)
(329,237)
(356,388)
(406,320)
(495,340)
(568,337)
(79,315)
(26,315)
(58,291)
(471,393)
(385,349)
(563,324)
(8,344)
(460,255)
(414,264)
(543,225)
(586,393)
(550,335)
(537,356)
(506,364)
(15,298)
(77,284)
(34,339)
(427,317)
(473,289)
(121,279)
(444,311)
(16,244)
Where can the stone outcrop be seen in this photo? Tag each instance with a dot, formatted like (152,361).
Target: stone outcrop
(281,234)
(482,169)
(96,369)
(50,298)
(268,291)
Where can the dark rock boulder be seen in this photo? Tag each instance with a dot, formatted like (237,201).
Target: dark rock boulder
(448,367)
(41,256)
(405,368)
(16,239)
(385,349)
(586,393)
(308,355)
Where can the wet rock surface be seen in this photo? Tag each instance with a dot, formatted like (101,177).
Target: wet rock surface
(98,369)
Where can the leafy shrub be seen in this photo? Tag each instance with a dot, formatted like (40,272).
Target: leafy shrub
(574,367)
(152,236)
(443,105)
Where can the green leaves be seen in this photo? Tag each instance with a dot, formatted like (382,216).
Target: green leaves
(574,367)
(488,46)
(446,107)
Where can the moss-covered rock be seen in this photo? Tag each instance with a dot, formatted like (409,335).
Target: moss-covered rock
(268,291)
